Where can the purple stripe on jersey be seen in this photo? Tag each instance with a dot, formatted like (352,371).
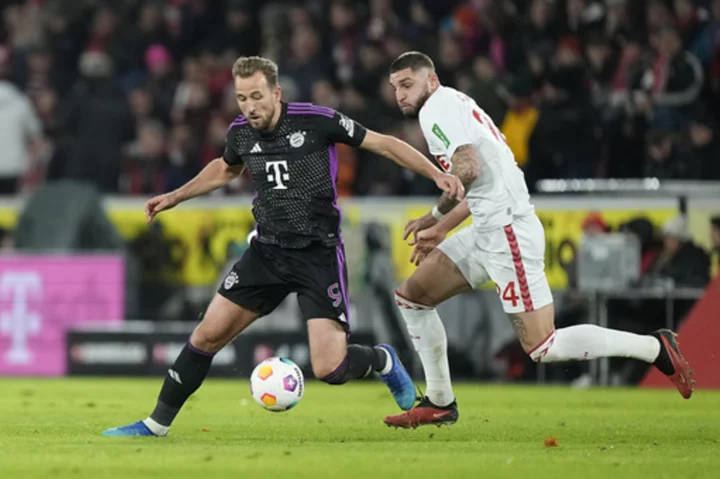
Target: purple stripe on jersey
(239,121)
(305,106)
(332,150)
(295,107)
(301,106)
(343,286)
(326,111)
(313,111)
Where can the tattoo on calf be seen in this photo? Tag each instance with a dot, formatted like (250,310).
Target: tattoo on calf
(519,327)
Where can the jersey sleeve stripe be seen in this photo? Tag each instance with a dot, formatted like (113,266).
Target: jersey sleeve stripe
(309,108)
(311,112)
(325,111)
(307,105)
(239,121)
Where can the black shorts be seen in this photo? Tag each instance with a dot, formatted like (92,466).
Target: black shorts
(266,274)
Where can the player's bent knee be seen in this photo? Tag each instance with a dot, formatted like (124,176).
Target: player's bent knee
(536,331)
(410,293)
(210,339)
(204,342)
(331,372)
(545,352)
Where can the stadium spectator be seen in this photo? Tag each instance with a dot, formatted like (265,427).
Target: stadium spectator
(681,260)
(619,67)
(705,145)
(664,161)
(673,81)
(97,117)
(20,134)
(520,119)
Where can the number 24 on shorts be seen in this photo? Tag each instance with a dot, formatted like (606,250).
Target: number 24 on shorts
(508,294)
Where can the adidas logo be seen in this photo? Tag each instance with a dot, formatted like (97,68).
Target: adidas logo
(174,375)
(256,148)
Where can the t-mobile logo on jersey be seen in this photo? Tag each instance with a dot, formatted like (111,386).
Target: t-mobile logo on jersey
(18,323)
(277,173)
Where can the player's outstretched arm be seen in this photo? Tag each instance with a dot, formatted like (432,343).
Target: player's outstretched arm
(215,175)
(408,157)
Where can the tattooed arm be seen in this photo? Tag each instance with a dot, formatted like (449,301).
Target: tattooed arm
(432,228)
(466,166)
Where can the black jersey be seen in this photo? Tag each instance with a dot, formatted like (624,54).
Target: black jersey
(294,172)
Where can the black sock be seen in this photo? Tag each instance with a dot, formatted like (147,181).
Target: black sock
(359,363)
(363,359)
(184,378)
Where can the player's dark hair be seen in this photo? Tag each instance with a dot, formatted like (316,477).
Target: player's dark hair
(413,61)
(246,67)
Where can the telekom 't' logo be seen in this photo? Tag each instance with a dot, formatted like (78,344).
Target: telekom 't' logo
(277,173)
(16,320)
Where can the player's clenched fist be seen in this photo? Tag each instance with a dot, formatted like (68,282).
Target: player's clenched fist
(159,203)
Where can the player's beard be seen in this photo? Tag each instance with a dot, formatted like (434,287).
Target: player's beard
(266,122)
(416,108)
(266,125)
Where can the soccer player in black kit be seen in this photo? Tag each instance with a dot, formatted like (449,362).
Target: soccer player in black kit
(289,151)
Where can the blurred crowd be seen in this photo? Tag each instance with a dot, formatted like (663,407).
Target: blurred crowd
(134,96)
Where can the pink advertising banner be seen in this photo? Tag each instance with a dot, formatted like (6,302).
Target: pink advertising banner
(42,296)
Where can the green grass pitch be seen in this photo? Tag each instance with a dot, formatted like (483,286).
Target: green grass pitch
(51,429)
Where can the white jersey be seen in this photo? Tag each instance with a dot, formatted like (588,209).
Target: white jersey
(450,119)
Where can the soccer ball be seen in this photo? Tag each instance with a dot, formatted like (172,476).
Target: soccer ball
(277,384)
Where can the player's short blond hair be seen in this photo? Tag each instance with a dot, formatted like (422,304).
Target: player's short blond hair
(245,67)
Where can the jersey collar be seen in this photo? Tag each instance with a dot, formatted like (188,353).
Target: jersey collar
(430,98)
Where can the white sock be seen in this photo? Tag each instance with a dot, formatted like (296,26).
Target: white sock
(156,428)
(388,363)
(587,341)
(428,336)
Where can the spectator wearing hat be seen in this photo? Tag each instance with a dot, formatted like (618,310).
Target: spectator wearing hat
(161,80)
(97,119)
(681,260)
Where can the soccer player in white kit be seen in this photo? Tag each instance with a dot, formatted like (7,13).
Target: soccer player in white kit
(505,243)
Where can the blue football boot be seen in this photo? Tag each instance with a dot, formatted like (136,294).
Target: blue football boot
(131,430)
(399,381)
